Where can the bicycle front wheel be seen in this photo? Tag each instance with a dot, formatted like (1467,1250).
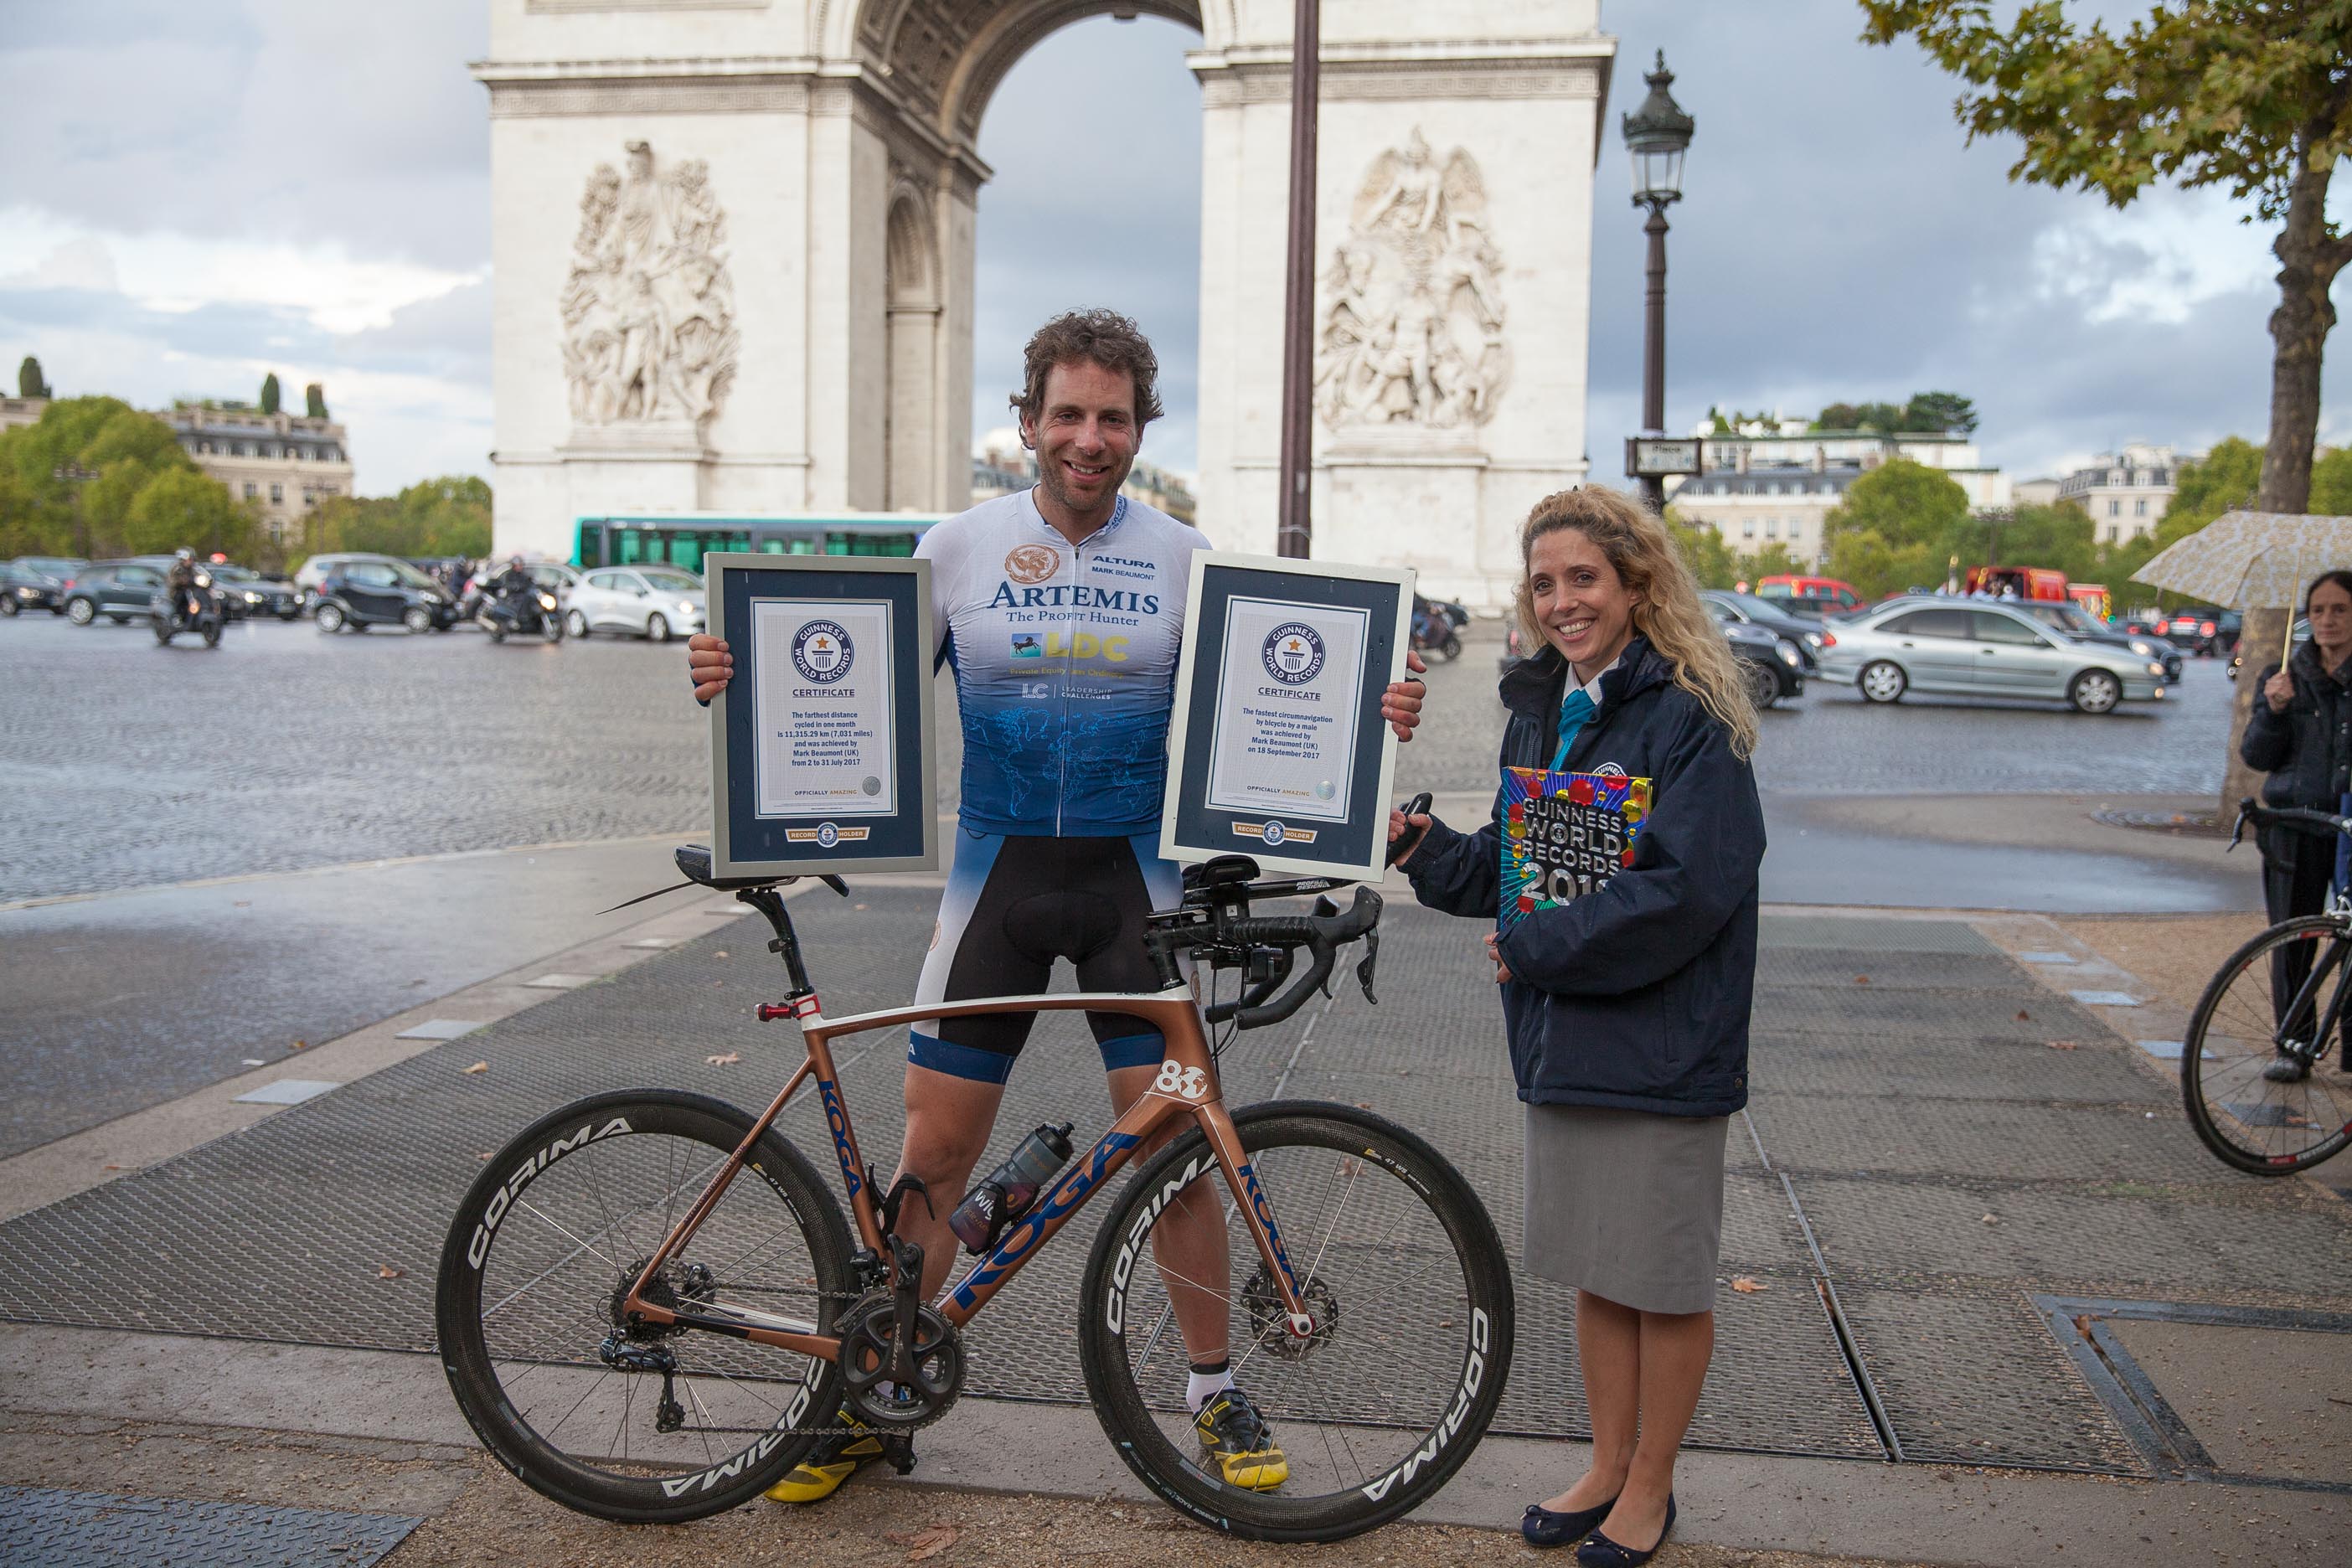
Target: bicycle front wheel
(639,1425)
(2265,1092)
(1405,1280)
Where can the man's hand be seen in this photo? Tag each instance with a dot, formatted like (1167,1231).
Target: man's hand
(1401,703)
(2278,691)
(1494,956)
(1400,823)
(710,666)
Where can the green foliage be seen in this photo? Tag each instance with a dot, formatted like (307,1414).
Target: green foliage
(2227,480)
(447,516)
(1710,559)
(269,392)
(2331,482)
(97,478)
(28,379)
(1941,411)
(1897,527)
(1775,560)
(314,401)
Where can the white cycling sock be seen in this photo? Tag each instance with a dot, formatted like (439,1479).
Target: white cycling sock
(1202,1386)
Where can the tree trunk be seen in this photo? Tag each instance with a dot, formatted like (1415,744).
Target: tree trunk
(2308,262)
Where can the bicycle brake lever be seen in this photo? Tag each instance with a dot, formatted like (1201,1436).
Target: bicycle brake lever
(1364,970)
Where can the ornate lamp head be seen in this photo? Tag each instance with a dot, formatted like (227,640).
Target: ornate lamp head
(1656,135)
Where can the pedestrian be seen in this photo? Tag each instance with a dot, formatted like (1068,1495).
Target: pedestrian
(2300,733)
(1627,1007)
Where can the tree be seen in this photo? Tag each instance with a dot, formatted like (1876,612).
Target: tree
(75,481)
(2331,482)
(314,401)
(1839,416)
(1941,411)
(2228,478)
(447,516)
(269,392)
(1897,527)
(28,379)
(1775,560)
(1710,559)
(180,507)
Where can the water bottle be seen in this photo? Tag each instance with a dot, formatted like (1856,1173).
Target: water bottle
(1011,1188)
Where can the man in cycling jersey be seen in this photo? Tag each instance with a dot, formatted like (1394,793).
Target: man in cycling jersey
(1062,612)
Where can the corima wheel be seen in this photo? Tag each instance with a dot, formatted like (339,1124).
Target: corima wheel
(1411,1321)
(615,1417)
(2095,691)
(1882,681)
(2264,1099)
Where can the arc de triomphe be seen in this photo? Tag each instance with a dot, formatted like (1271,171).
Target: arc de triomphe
(733,246)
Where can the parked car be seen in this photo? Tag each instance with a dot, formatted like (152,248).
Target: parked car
(1810,636)
(657,603)
(2071,619)
(1977,649)
(37,583)
(1811,597)
(1774,666)
(247,592)
(115,589)
(378,591)
(2198,631)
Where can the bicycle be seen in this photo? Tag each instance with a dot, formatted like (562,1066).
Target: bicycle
(2253,1073)
(572,1281)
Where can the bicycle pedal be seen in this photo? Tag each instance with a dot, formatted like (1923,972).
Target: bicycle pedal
(900,1453)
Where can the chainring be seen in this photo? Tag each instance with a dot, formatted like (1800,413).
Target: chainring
(865,1329)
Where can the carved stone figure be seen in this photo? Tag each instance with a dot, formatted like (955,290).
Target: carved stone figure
(1412,325)
(649,307)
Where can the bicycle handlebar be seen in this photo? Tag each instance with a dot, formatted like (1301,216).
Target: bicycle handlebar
(1322,935)
(2260,815)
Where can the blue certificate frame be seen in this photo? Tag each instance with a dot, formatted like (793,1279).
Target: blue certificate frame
(1277,749)
(821,745)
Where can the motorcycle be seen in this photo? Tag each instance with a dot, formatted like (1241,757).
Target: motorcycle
(198,610)
(525,612)
(1436,632)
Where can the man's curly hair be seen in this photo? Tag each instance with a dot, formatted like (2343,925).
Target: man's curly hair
(1101,337)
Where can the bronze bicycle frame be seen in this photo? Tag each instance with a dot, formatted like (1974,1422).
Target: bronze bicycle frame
(1173,1012)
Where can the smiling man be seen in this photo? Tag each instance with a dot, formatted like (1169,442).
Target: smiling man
(1062,610)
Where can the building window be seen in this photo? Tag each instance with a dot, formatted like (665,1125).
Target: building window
(2139,507)
(2112,531)
(1748,528)
(2115,509)
(1796,529)
(277,495)
(1771,528)
(252,490)
(309,498)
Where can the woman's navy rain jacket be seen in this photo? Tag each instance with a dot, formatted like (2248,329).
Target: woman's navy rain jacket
(1637,996)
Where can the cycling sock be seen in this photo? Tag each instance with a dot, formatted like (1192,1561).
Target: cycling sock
(1208,1380)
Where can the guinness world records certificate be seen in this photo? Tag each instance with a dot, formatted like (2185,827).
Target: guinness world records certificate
(821,756)
(1277,749)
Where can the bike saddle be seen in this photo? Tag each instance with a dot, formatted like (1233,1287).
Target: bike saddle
(694,860)
(1219,872)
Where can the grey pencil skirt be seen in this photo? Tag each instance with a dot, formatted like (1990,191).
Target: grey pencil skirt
(1625,1205)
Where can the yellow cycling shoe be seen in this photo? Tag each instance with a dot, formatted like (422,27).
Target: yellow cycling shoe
(833,1460)
(1235,1436)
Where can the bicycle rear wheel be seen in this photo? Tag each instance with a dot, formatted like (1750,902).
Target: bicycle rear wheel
(650,1425)
(1413,1306)
(2254,1122)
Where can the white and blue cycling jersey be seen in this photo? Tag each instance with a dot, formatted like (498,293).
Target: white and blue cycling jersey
(1064,661)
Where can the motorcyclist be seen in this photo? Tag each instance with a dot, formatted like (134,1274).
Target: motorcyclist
(181,581)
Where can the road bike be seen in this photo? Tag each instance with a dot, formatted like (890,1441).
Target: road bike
(2254,1069)
(649,1306)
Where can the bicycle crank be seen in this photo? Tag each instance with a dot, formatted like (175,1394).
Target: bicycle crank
(920,1392)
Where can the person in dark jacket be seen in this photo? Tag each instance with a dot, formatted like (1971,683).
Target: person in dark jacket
(1626,1008)
(2301,734)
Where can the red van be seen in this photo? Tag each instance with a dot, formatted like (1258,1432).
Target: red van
(1809,596)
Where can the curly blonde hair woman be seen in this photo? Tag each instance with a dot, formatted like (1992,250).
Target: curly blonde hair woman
(1627,1007)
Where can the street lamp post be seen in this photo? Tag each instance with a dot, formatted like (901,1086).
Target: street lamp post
(1656,136)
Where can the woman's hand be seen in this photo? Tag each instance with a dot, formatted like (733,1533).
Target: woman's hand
(1494,956)
(1401,703)
(2278,691)
(1400,824)
(708,665)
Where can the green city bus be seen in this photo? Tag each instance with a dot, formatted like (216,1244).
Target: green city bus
(683,539)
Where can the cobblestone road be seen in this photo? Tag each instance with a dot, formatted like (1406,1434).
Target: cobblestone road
(130,766)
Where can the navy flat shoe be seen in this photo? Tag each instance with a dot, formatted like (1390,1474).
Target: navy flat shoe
(1543,1527)
(1599,1551)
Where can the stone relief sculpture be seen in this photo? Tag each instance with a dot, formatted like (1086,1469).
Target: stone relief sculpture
(1412,325)
(649,308)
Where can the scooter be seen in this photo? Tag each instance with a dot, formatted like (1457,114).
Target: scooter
(523,612)
(1433,633)
(198,611)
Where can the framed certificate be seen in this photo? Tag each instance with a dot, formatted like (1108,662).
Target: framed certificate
(821,746)
(1277,749)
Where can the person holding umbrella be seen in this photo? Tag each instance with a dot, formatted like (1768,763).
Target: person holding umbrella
(2300,733)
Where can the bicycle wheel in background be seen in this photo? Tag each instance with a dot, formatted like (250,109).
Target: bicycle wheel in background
(1412,1299)
(658,1426)
(2252,1119)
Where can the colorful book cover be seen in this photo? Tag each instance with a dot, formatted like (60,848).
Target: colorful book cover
(1565,835)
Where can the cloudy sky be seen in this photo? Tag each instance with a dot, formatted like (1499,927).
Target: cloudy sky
(196,196)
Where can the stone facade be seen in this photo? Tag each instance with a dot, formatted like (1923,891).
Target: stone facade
(16,411)
(2127,493)
(282,464)
(789,189)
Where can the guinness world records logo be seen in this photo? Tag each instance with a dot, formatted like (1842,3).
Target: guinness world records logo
(1294,653)
(822,652)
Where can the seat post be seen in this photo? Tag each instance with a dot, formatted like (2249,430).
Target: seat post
(769,902)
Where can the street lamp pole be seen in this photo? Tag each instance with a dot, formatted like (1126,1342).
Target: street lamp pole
(1658,134)
(1293,530)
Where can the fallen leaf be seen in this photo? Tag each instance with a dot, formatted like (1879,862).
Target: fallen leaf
(115,1167)
(1363,1105)
(2064,1044)
(479,1066)
(388,1272)
(302,1045)
(2023,1016)
(729,1060)
(486,1156)
(857,905)
(1862,980)
(720,954)
(1745,1285)
(1992,1219)
(927,1542)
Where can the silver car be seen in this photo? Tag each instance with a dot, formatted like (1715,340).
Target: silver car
(654,602)
(1968,649)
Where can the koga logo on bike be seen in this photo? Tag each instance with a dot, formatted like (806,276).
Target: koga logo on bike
(1030,1228)
(823,652)
(837,1119)
(782,1429)
(1294,653)
(496,1209)
(1474,1373)
(1263,1210)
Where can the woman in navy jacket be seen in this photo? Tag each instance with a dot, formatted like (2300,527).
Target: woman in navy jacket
(1627,1007)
